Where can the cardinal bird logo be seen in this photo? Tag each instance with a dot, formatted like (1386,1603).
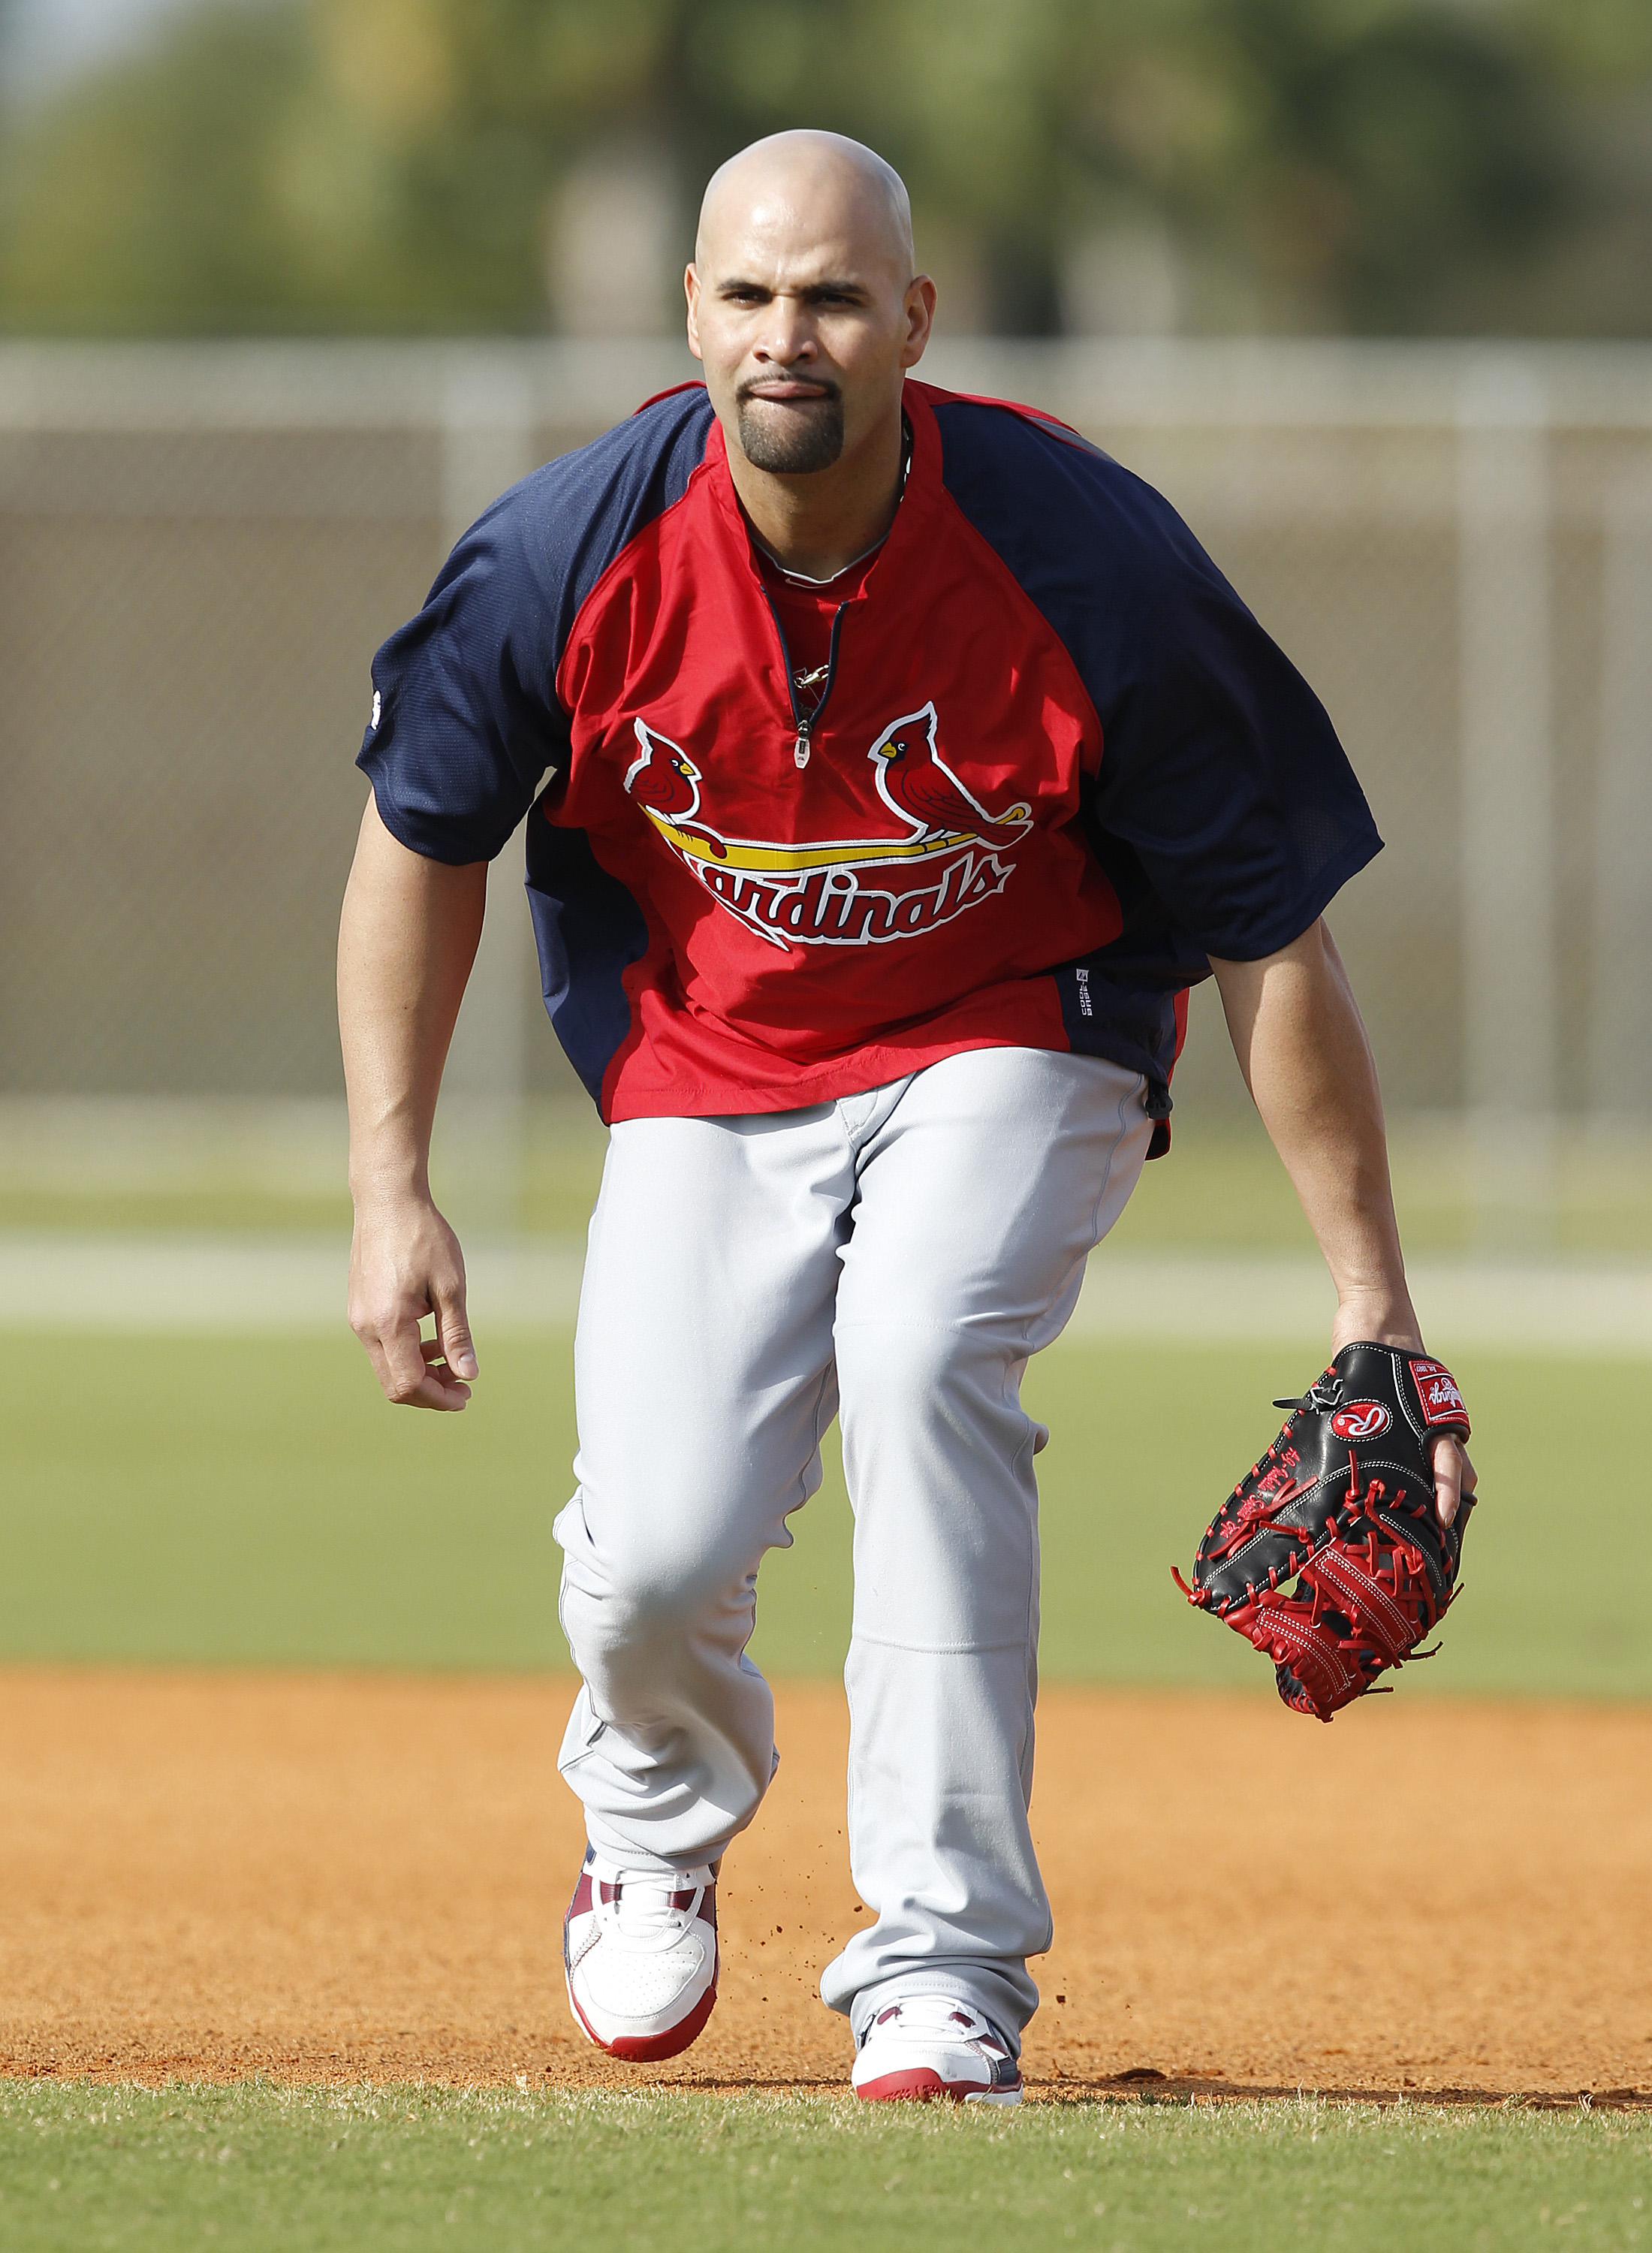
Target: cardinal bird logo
(916,782)
(950,855)
(664,780)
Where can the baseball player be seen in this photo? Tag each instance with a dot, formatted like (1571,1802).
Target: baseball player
(896,761)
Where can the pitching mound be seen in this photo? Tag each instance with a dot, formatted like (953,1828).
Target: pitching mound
(325,1878)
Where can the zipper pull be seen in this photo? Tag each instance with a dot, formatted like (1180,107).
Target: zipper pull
(800,748)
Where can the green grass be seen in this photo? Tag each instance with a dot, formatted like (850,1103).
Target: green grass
(239,1500)
(250,2167)
(247,1499)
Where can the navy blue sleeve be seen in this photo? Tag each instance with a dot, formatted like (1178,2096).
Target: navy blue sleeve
(1221,782)
(465,719)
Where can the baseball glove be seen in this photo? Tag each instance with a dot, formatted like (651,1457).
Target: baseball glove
(1329,1554)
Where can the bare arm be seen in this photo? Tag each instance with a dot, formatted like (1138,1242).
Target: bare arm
(406,939)
(1302,1046)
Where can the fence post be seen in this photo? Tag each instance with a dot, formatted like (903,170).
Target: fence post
(1506,799)
(1620,987)
(481,1144)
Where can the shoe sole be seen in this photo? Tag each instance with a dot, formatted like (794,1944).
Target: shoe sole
(921,2084)
(649,2050)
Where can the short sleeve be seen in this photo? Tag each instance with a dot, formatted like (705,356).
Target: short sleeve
(1224,805)
(465,719)
(1222,771)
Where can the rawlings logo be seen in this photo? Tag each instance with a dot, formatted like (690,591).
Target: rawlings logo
(1362,1421)
(860,891)
(1437,1390)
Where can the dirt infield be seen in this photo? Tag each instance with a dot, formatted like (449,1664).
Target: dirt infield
(326,1878)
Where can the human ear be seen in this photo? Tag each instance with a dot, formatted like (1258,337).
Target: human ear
(919,308)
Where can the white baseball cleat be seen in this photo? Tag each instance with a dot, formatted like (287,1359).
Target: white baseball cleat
(640,1949)
(929,2045)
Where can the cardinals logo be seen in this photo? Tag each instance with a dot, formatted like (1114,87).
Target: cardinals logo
(916,784)
(950,854)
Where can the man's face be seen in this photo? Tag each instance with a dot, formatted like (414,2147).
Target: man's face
(800,307)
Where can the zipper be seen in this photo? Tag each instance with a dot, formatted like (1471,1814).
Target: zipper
(803,722)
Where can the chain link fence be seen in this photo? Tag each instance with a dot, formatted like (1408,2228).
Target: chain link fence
(201,547)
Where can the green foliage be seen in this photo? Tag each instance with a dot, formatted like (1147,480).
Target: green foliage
(251,2167)
(250,176)
(253,1500)
(388,164)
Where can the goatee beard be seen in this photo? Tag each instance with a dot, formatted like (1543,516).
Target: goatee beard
(789,441)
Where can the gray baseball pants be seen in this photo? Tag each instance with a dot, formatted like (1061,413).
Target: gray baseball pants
(894,1258)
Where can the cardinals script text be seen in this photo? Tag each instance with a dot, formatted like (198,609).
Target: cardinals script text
(951,853)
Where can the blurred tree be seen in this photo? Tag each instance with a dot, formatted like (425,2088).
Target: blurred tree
(1390,165)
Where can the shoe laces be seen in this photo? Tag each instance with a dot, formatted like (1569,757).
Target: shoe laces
(650,1909)
(923,2018)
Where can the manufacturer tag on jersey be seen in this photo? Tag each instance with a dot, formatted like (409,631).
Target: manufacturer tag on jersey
(1437,1392)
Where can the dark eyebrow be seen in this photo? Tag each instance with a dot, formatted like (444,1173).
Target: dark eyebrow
(737,285)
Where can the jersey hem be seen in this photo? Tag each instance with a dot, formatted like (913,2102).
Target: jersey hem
(869,1068)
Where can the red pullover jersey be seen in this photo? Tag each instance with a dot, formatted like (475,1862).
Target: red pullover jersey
(1055,764)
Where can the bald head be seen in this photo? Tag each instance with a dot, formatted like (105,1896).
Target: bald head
(833,185)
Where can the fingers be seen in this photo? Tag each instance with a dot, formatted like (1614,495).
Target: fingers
(413,1370)
(441,1387)
(1453,1476)
(405,1265)
(453,1329)
(399,1351)
(1447,1484)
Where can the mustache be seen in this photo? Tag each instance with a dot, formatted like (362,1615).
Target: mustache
(748,393)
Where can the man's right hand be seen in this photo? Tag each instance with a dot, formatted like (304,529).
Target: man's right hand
(406,939)
(405,1263)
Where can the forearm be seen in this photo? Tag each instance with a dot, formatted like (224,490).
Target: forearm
(406,938)
(1303,1049)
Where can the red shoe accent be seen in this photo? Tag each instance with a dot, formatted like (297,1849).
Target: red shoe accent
(919,2084)
(649,2049)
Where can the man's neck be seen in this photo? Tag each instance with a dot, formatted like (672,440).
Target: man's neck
(820,524)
